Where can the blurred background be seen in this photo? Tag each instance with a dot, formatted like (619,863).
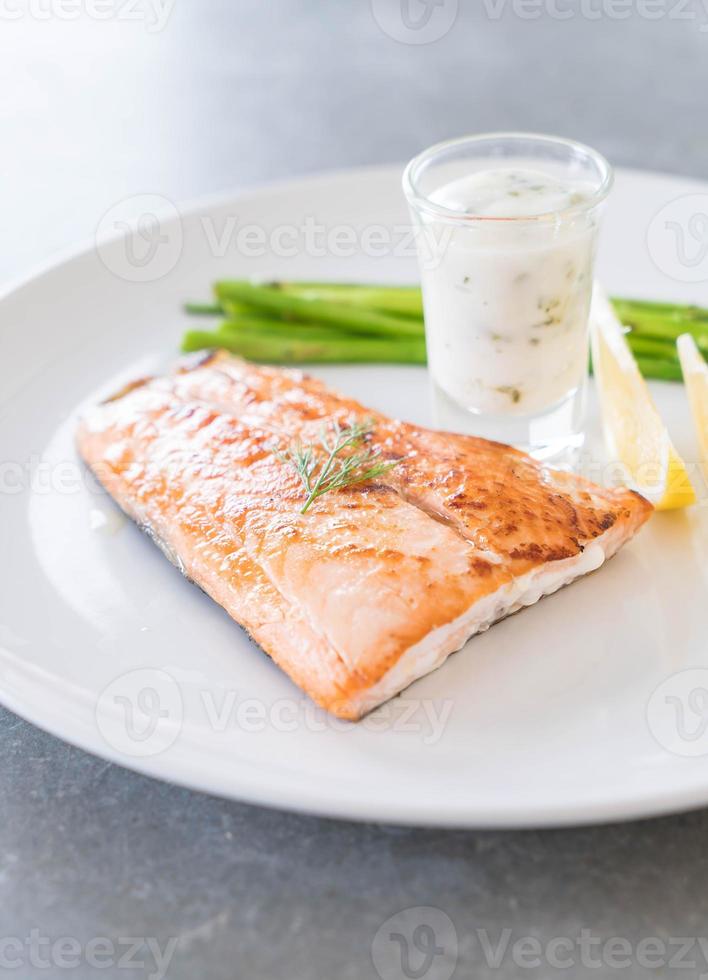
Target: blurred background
(111,98)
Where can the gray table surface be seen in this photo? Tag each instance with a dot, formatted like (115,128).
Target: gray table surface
(228,94)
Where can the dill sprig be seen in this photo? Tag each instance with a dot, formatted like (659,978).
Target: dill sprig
(340,460)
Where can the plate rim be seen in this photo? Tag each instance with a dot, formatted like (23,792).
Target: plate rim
(643,805)
(646,806)
(193,205)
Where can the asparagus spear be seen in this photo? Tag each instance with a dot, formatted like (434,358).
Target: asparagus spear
(287,330)
(653,319)
(338,316)
(320,345)
(203,309)
(659,370)
(645,347)
(408,300)
(400,300)
(354,319)
(648,347)
(683,311)
(301,349)
(665,328)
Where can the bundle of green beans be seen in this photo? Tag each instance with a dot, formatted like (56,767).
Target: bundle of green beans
(337,323)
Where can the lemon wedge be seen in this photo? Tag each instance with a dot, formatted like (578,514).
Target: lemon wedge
(635,434)
(695,375)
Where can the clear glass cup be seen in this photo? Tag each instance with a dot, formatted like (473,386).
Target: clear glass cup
(507,295)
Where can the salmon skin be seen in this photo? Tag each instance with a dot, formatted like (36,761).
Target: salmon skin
(375,585)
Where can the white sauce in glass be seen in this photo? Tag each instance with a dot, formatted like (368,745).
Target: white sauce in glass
(507,301)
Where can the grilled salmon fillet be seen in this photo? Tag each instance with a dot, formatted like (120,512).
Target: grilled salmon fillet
(376,584)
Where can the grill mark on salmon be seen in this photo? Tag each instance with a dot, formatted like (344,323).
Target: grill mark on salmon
(376,584)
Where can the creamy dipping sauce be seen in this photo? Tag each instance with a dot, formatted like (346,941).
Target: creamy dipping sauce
(507,301)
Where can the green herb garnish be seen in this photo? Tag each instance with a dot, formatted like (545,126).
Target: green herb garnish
(340,460)
(511,391)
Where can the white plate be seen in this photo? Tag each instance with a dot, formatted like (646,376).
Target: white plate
(548,718)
